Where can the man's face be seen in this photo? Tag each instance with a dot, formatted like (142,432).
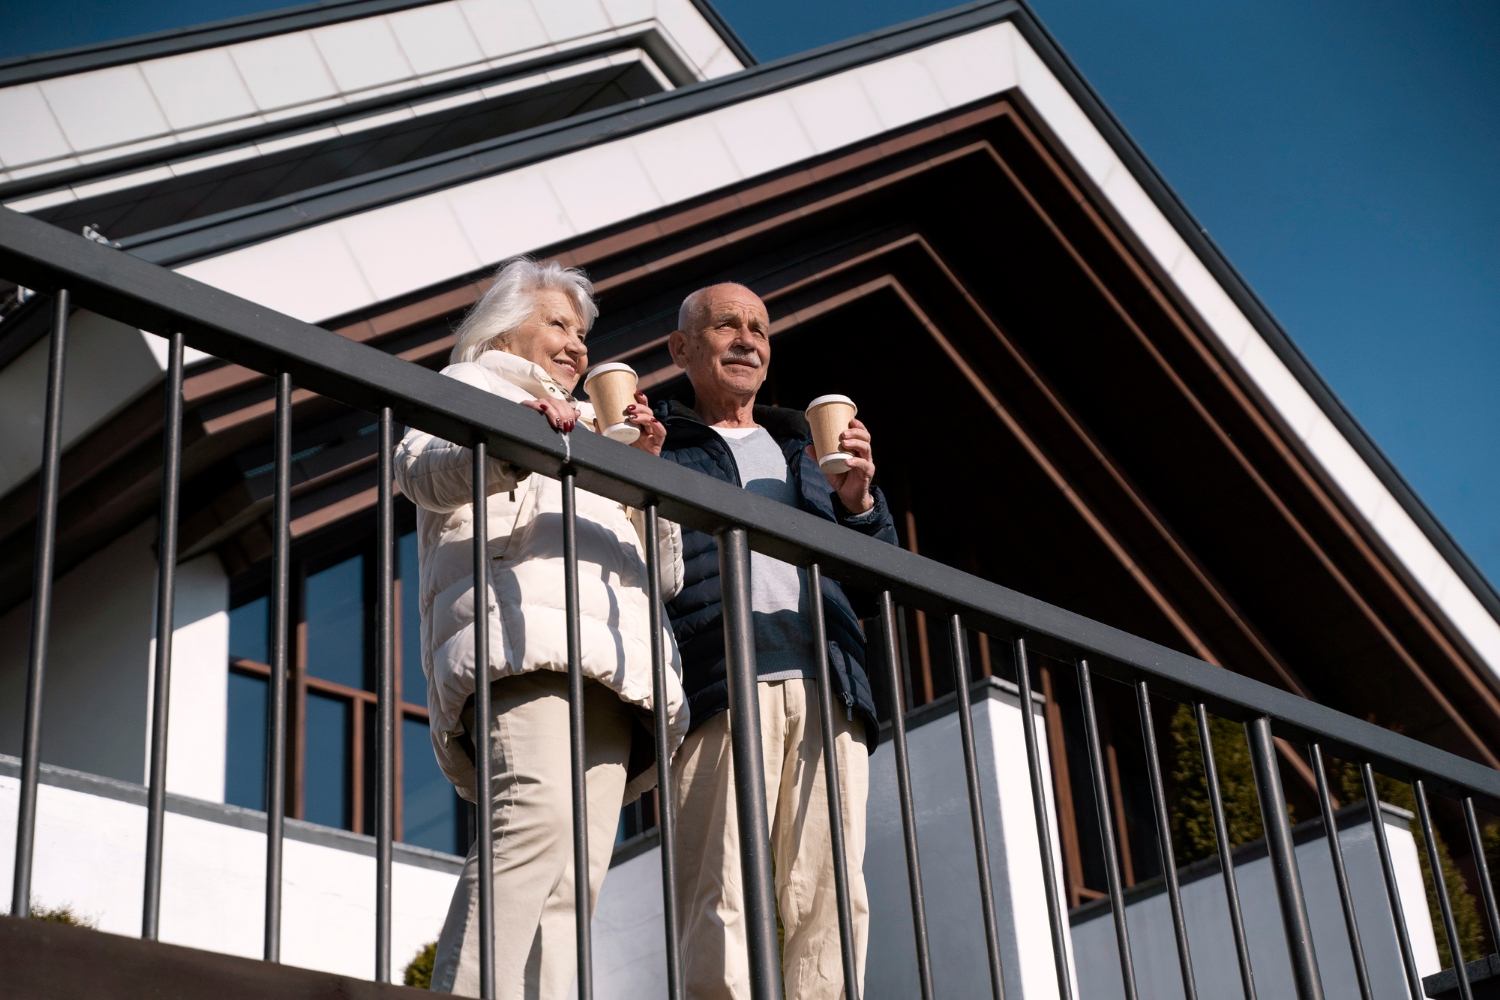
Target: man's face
(729,352)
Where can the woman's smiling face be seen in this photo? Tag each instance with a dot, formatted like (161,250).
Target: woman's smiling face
(552,337)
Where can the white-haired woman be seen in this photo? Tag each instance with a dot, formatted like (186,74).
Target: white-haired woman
(524,341)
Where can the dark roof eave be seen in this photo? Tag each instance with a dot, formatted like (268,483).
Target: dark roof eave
(190,242)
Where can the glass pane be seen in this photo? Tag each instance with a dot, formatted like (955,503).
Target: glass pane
(429,805)
(413,681)
(245,752)
(249,631)
(335,609)
(326,777)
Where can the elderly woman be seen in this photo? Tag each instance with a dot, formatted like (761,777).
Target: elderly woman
(524,342)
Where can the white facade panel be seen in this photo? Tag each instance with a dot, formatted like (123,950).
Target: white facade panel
(564,19)
(685,159)
(362,54)
(510,214)
(198,88)
(435,38)
(105,107)
(283,71)
(32,131)
(504,27)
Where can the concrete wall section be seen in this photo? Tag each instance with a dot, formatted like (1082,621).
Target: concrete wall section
(90,852)
(1153,945)
(96,712)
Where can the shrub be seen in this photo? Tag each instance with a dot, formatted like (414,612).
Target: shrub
(64,914)
(1192,815)
(419,969)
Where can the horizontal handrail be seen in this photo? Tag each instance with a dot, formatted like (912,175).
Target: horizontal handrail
(216,322)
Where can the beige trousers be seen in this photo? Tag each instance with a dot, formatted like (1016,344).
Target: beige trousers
(710,893)
(531,812)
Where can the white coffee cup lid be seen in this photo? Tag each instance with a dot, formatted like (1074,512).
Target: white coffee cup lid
(613,366)
(831,398)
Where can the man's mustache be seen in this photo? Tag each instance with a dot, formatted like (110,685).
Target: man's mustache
(747,357)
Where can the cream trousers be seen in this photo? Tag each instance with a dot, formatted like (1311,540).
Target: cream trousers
(531,811)
(710,893)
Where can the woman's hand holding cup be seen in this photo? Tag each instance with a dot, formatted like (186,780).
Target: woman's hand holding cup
(653,431)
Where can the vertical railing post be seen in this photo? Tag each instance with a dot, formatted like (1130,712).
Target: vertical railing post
(1112,878)
(41,609)
(1340,873)
(583,908)
(385,693)
(1392,890)
(1440,883)
(664,797)
(749,766)
(1283,856)
(484,821)
(960,641)
(1164,841)
(831,783)
(893,645)
(166,584)
(281,570)
(1061,932)
(1226,858)
(1481,863)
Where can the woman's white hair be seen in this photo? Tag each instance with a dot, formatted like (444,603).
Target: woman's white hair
(509,303)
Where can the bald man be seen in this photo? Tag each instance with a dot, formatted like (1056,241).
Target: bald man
(723,341)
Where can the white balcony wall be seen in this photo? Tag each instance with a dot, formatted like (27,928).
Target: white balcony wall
(1153,946)
(90,851)
(96,710)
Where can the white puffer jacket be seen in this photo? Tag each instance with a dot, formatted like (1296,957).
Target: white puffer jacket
(527,622)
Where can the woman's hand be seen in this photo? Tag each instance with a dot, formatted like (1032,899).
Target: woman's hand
(653,431)
(559,413)
(853,487)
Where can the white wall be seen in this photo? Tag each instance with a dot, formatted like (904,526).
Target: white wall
(629,953)
(1216,971)
(96,706)
(90,850)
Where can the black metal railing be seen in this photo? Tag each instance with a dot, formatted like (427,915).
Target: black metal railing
(76,272)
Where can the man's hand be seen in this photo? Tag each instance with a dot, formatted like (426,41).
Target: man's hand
(653,431)
(853,487)
(559,413)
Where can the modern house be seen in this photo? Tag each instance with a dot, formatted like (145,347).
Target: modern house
(1073,394)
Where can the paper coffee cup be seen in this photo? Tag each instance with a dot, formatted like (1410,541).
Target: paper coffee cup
(611,388)
(829,416)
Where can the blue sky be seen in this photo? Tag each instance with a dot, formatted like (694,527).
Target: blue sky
(1343,155)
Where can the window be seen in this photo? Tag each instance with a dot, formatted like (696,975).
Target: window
(331,702)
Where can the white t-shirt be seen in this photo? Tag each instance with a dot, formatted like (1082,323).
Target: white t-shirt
(778,590)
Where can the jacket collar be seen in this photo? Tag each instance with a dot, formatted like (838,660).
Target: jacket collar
(525,374)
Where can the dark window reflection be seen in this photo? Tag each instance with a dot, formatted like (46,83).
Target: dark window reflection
(413,681)
(429,806)
(326,778)
(335,610)
(245,758)
(249,629)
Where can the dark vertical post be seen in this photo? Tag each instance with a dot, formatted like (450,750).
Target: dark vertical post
(1164,841)
(1061,933)
(281,578)
(484,821)
(166,585)
(385,693)
(749,766)
(667,802)
(1106,830)
(1340,874)
(583,909)
(41,608)
(831,781)
(1392,891)
(1445,905)
(903,789)
(960,643)
(1486,887)
(1283,856)
(1226,859)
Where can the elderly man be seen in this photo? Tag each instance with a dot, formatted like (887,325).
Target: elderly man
(723,340)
